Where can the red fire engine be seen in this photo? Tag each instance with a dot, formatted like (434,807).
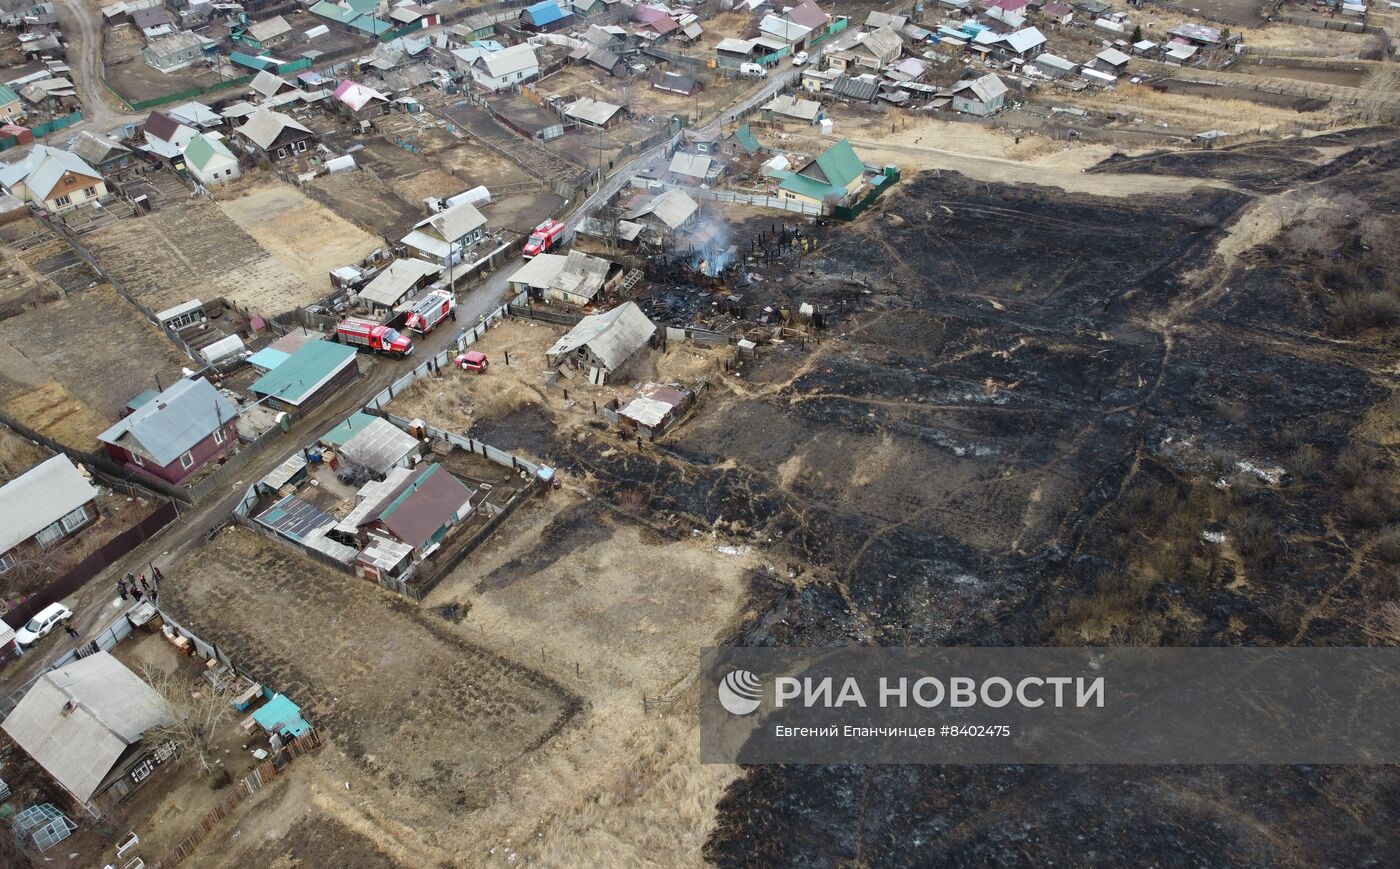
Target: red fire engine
(546,238)
(426,311)
(369,335)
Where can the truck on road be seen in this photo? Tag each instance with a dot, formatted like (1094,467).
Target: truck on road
(546,237)
(368,335)
(424,313)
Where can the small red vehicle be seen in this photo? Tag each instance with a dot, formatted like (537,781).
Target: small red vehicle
(473,360)
(545,238)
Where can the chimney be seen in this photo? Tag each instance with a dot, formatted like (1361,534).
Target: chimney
(68,708)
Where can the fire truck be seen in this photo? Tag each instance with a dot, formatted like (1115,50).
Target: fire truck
(369,335)
(546,237)
(429,309)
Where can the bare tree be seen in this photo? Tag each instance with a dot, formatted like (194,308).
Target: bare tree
(1377,99)
(196,711)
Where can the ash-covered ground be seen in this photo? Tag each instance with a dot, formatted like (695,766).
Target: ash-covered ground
(1042,418)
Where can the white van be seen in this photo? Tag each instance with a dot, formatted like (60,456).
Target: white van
(753,70)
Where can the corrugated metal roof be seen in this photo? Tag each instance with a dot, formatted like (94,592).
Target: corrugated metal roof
(305,371)
(390,286)
(77,744)
(593,111)
(348,428)
(283,473)
(517,58)
(43,168)
(264,126)
(183,415)
(690,165)
(454,223)
(672,208)
(429,499)
(612,336)
(40,497)
(379,446)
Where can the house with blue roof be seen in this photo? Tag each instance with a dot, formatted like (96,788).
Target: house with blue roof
(308,377)
(354,15)
(171,434)
(546,16)
(53,180)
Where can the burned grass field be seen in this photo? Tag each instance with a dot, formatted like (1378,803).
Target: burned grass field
(1077,438)
(1040,418)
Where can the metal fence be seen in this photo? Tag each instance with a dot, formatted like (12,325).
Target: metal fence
(106,640)
(763,201)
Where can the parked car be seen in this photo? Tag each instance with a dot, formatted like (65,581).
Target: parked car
(753,70)
(799,59)
(473,360)
(39,627)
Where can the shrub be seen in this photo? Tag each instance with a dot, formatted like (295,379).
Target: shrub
(1387,547)
(1254,538)
(1357,312)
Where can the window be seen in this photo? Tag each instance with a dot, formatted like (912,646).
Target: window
(7,562)
(281,152)
(62,201)
(75,520)
(89,191)
(50,535)
(219,436)
(187,461)
(137,459)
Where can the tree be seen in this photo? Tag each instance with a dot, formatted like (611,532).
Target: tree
(1137,34)
(195,713)
(1378,93)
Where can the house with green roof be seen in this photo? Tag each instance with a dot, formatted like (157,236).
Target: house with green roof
(209,161)
(831,178)
(11,109)
(308,377)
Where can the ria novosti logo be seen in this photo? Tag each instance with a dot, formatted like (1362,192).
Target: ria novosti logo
(740,692)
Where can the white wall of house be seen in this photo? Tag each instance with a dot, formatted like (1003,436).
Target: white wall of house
(75,199)
(218,170)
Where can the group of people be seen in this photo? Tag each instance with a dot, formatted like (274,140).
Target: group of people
(139,587)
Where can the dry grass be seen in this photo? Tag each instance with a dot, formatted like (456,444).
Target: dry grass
(17,455)
(1188,110)
(1308,40)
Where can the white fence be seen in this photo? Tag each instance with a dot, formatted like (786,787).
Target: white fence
(764,201)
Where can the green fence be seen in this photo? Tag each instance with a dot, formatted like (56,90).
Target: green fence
(41,130)
(391,35)
(188,94)
(834,28)
(851,212)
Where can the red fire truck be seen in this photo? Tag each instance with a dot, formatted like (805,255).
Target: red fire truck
(369,335)
(429,309)
(546,238)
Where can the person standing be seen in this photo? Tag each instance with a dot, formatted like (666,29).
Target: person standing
(121,588)
(69,630)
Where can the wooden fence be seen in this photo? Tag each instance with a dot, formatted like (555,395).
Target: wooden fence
(250,785)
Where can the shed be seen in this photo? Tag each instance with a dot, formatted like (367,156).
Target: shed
(604,342)
(308,376)
(282,717)
(391,286)
(379,446)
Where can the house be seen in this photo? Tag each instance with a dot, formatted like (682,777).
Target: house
(105,154)
(267,34)
(53,180)
(209,161)
(1024,44)
(396,283)
(165,137)
(982,96)
(668,213)
(355,15)
(602,344)
(1002,21)
(593,113)
(546,16)
(1197,34)
(153,22)
(655,22)
(829,178)
(650,409)
(267,85)
(420,511)
(811,16)
(785,31)
(872,51)
(380,447)
(42,507)
(1057,13)
(360,102)
(573,279)
(732,53)
(308,377)
(478,26)
(794,107)
(691,170)
(172,434)
(197,115)
(677,83)
(85,724)
(173,52)
(415,16)
(276,135)
(1111,61)
(1055,66)
(860,89)
(444,238)
(11,109)
(876,20)
(501,69)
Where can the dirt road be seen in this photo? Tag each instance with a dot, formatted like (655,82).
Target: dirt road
(102,111)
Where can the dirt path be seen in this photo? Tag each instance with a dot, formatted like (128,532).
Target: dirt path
(101,109)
